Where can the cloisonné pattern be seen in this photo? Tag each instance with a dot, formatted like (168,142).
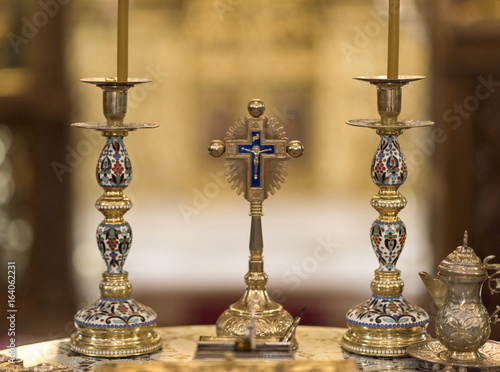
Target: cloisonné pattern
(387,312)
(116,314)
(388,240)
(114,169)
(389,165)
(114,243)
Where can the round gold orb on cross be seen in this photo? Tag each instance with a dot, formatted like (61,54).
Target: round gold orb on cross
(256,108)
(295,149)
(216,148)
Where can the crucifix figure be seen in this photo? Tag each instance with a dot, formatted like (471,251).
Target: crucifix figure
(256,152)
(255,149)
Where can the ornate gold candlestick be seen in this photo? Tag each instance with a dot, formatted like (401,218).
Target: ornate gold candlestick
(256,152)
(387,323)
(116,325)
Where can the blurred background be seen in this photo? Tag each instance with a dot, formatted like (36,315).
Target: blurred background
(207,60)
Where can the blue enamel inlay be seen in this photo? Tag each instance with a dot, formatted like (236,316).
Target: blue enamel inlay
(255,149)
(391,325)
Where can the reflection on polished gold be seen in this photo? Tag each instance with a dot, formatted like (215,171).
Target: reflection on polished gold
(381,342)
(12,364)
(116,343)
(10,361)
(256,151)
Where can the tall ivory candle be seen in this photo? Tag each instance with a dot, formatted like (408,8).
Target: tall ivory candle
(393,43)
(122,50)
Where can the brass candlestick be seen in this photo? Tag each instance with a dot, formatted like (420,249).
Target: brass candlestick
(387,323)
(256,152)
(116,325)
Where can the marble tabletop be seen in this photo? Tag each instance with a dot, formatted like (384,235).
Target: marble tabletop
(179,344)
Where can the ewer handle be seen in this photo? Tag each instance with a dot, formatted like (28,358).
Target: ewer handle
(494,279)
(493,285)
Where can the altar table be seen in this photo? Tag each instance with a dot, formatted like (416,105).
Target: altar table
(179,344)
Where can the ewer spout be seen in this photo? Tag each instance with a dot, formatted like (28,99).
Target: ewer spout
(436,287)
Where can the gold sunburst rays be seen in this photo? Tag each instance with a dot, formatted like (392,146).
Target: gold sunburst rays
(272,167)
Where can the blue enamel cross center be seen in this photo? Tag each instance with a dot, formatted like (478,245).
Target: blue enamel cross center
(255,149)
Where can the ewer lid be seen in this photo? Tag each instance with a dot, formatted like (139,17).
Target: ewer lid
(463,261)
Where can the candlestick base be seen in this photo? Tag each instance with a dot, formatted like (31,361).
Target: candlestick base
(115,343)
(387,323)
(271,320)
(384,326)
(115,325)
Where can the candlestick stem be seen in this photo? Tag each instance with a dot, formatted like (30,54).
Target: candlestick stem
(393,43)
(122,54)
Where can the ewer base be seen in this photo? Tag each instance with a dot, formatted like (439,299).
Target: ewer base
(434,351)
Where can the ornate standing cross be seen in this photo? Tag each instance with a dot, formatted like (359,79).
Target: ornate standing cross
(261,143)
(256,152)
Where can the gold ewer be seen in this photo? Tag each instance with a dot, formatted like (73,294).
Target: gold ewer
(256,152)
(462,321)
